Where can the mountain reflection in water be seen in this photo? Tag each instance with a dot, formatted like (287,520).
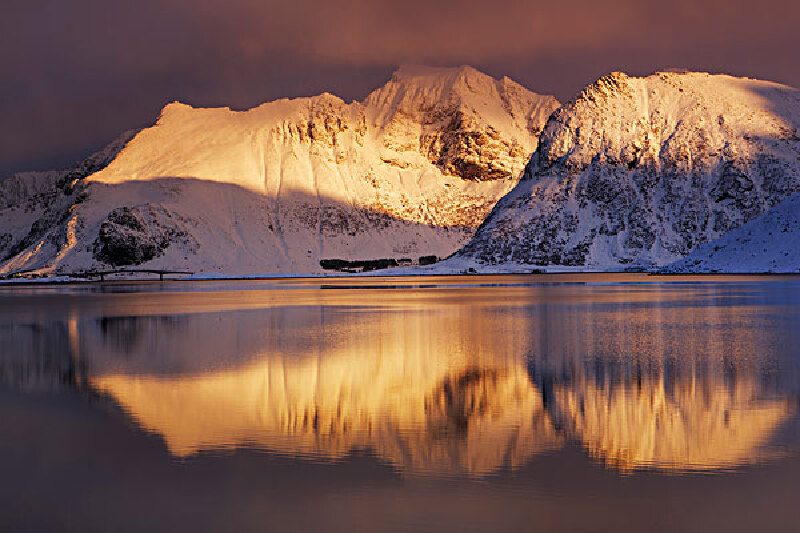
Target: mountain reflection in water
(653,380)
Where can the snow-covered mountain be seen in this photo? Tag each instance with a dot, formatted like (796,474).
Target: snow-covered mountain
(639,171)
(768,243)
(410,171)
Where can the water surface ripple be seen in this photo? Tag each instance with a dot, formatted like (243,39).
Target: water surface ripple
(416,387)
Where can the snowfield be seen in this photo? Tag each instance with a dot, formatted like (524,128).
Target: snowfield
(769,243)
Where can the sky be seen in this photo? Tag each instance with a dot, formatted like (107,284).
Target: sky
(75,74)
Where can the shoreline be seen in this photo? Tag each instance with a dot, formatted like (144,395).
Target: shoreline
(374,275)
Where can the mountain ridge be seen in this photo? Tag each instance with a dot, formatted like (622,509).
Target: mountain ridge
(631,173)
(638,171)
(410,171)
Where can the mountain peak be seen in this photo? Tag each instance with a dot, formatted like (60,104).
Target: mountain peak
(414,85)
(426,71)
(415,88)
(173,108)
(609,85)
(466,122)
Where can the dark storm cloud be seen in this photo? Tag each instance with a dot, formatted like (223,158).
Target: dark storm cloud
(74,74)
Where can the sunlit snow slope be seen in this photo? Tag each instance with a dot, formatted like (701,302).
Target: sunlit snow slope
(639,171)
(410,171)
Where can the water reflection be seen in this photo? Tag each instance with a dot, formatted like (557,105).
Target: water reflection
(37,357)
(669,379)
(689,424)
(396,385)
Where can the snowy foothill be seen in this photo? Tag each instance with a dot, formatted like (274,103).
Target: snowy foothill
(769,243)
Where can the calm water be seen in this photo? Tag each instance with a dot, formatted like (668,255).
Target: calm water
(519,403)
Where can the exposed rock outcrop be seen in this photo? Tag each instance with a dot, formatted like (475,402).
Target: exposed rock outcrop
(132,236)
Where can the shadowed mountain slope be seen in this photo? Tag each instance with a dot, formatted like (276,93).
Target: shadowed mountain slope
(768,243)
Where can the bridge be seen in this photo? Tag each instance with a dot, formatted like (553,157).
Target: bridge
(103,273)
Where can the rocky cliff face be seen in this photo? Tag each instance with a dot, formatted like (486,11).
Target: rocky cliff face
(412,170)
(450,120)
(639,171)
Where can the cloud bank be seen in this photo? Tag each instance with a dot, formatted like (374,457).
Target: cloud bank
(75,74)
